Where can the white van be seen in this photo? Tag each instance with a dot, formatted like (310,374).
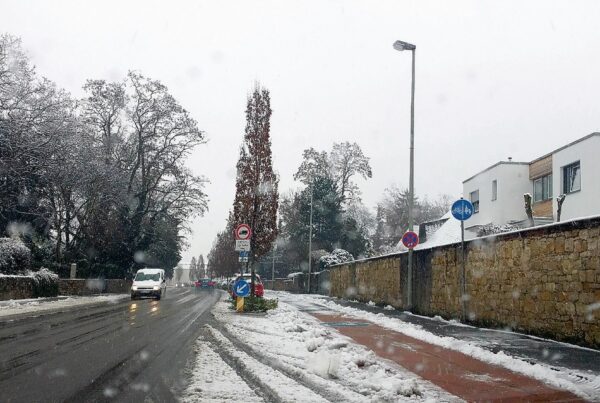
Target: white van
(149,282)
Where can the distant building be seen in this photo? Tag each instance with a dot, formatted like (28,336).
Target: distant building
(573,170)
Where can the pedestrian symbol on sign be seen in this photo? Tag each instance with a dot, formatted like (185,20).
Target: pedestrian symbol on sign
(462,209)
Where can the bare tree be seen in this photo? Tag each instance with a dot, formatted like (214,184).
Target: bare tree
(528,209)
(559,200)
(345,161)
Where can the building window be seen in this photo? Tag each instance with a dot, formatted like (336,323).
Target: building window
(475,200)
(572,178)
(494,189)
(542,188)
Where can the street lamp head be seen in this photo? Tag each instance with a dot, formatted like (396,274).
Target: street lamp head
(399,45)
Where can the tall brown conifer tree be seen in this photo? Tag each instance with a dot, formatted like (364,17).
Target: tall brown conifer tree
(256,197)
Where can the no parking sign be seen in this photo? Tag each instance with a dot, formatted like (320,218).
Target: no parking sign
(410,239)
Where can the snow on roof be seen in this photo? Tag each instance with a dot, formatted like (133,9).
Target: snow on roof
(150,270)
(449,232)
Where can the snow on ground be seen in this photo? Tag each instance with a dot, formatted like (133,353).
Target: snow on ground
(286,388)
(18,306)
(582,384)
(213,380)
(315,355)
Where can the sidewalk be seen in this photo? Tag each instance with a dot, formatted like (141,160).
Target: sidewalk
(529,348)
(414,342)
(457,373)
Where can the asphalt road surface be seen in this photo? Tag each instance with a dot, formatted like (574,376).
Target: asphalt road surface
(130,351)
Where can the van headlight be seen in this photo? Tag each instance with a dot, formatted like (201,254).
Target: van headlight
(134,287)
(156,288)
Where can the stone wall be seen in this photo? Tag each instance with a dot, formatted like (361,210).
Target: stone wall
(379,281)
(80,286)
(544,281)
(16,287)
(319,283)
(117,286)
(285,284)
(93,286)
(21,287)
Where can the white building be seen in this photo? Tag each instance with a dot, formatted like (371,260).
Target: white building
(576,173)
(493,193)
(573,170)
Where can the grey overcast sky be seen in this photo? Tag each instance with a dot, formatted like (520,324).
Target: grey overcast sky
(494,78)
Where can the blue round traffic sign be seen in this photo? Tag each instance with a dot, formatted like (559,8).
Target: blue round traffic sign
(241,288)
(410,239)
(462,209)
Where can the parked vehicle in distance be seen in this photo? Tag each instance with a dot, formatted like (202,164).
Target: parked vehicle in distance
(259,288)
(149,283)
(204,284)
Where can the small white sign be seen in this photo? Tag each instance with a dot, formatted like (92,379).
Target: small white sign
(242,245)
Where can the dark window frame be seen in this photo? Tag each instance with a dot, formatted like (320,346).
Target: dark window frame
(475,203)
(547,188)
(566,171)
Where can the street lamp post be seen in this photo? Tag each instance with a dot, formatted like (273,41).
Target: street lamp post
(401,46)
(310,235)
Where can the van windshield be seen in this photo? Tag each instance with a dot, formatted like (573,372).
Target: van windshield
(141,276)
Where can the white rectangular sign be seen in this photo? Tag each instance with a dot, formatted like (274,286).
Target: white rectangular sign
(242,245)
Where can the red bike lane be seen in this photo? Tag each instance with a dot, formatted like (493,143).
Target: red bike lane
(457,373)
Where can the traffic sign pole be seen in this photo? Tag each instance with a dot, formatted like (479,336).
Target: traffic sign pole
(243,236)
(239,304)
(462,210)
(463,288)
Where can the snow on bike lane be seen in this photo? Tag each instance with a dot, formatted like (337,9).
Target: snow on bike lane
(583,384)
(313,362)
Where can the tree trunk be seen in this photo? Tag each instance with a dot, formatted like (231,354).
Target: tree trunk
(528,209)
(560,200)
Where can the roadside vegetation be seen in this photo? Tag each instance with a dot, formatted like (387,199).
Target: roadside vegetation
(100,180)
(256,304)
(343,229)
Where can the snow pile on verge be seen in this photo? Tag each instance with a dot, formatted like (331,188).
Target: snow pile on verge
(299,345)
(10,307)
(215,381)
(582,384)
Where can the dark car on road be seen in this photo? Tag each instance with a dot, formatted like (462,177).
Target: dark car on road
(204,284)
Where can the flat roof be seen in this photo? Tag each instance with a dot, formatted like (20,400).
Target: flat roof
(537,159)
(567,146)
(494,166)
